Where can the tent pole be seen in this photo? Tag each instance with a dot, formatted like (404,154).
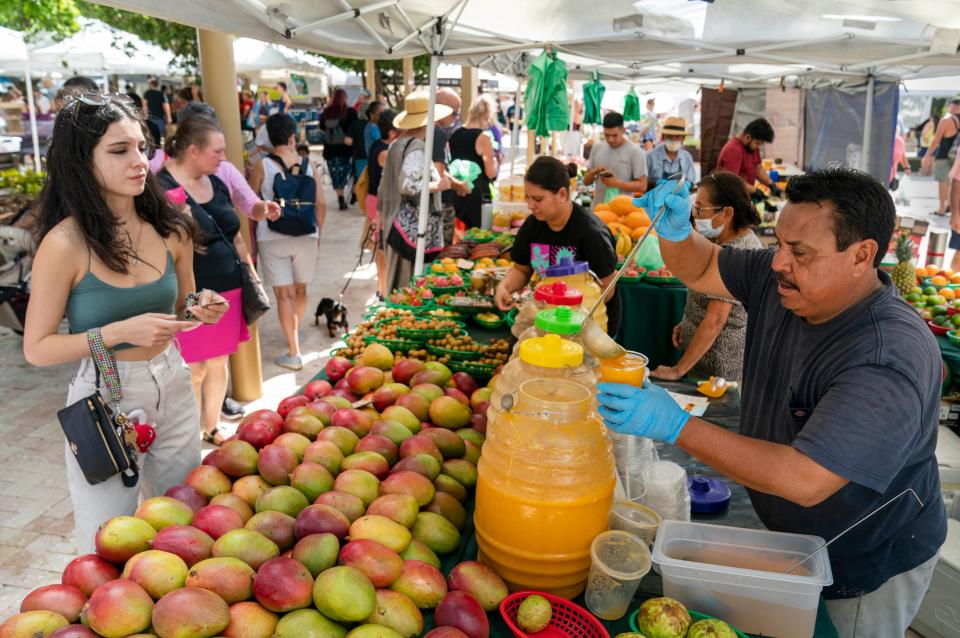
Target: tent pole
(32,109)
(515,133)
(867,128)
(427,162)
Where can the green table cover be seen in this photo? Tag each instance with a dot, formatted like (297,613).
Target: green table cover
(650,312)
(951,359)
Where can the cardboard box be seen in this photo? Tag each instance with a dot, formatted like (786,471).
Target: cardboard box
(11,118)
(918,230)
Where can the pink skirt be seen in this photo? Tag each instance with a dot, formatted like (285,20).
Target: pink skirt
(209,341)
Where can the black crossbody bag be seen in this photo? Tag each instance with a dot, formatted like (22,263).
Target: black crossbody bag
(102,440)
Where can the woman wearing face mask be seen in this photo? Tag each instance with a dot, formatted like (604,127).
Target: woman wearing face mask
(669,157)
(712,333)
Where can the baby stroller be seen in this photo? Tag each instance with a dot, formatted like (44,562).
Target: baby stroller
(16,259)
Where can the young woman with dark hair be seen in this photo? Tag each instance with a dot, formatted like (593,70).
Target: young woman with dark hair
(713,331)
(557,227)
(117,259)
(196,152)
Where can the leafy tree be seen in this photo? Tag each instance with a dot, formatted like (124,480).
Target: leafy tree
(58,17)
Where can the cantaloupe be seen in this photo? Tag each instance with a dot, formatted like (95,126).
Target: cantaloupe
(621,204)
(637,218)
(607,216)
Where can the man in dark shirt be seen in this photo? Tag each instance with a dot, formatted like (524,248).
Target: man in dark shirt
(841,390)
(156,106)
(558,228)
(741,155)
(134,96)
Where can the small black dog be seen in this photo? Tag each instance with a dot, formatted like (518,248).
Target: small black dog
(336,314)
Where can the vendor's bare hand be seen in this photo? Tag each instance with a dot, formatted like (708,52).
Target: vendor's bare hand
(503,298)
(667,373)
(677,336)
(444,183)
(147,330)
(210,307)
(461,189)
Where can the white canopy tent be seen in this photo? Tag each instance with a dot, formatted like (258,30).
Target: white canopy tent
(13,51)
(748,41)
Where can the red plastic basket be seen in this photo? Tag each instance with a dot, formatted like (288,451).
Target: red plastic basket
(568,620)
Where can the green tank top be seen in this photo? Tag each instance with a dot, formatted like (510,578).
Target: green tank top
(94,303)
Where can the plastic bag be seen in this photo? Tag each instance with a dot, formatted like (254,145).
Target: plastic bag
(465,171)
(649,254)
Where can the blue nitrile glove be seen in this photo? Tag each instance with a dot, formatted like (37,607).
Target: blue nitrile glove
(648,411)
(675,224)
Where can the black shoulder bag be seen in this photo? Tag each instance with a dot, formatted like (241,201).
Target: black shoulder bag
(102,440)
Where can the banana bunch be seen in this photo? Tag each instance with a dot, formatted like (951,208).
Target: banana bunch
(624,245)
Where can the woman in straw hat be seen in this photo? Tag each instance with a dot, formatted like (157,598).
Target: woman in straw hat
(669,156)
(398,200)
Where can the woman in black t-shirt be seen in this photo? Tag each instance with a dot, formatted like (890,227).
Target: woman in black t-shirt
(557,227)
(196,150)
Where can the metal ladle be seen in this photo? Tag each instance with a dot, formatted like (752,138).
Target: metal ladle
(596,341)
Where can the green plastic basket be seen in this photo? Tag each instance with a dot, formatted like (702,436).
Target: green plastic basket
(447,290)
(393,344)
(694,615)
(468,310)
(434,314)
(490,325)
(511,317)
(662,281)
(455,355)
(426,304)
(419,336)
(476,370)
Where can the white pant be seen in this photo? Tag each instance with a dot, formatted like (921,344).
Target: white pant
(161,388)
(885,612)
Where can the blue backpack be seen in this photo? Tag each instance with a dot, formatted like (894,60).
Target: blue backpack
(297,195)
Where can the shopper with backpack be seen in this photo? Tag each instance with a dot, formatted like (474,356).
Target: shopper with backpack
(288,246)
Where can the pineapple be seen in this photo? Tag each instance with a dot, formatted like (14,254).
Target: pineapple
(904,276)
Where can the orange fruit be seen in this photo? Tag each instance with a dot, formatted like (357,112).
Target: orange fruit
(621,204)
(637,218)
(921,271)
(601,206)
(932,270)
(955,279)
(638,232)
(939,280)
(948,293)
(607,216)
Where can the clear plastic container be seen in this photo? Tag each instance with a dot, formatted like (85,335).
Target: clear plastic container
(629,368)
(632,455)
(544,488)
(618,561)
(666,490)
(636,519)
(545,297)
(547,357)
(576,274)
(561,320)
(739,575)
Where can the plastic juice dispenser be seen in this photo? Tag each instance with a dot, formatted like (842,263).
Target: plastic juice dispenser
(544,488)
(577,275)
(546,296)
(562,320)
(547,357)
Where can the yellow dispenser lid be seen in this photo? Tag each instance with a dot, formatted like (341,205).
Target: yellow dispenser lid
(551,351)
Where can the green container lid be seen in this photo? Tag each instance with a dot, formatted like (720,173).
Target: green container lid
(561,320)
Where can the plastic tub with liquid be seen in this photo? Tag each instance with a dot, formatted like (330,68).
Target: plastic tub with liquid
(629,368)
(544,488)
(546,357)
(738,575)
(576,274)
(546,297)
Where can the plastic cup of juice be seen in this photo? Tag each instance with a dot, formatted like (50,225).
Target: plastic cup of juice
(636,519)
(618,560)
(629,368)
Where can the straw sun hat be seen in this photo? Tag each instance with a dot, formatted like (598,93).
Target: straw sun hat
(414,113)
(675,126)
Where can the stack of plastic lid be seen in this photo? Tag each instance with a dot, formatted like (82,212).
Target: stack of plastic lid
(666,490)
(632,455)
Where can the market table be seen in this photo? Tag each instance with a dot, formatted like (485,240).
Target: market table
(650,311)
(951,359)
(724,412)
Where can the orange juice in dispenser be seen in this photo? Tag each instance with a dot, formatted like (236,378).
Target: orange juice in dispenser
(545,487)
(577,275)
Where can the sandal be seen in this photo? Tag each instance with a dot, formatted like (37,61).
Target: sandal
(211,437)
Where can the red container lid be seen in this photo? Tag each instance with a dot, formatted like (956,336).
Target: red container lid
(558,294)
